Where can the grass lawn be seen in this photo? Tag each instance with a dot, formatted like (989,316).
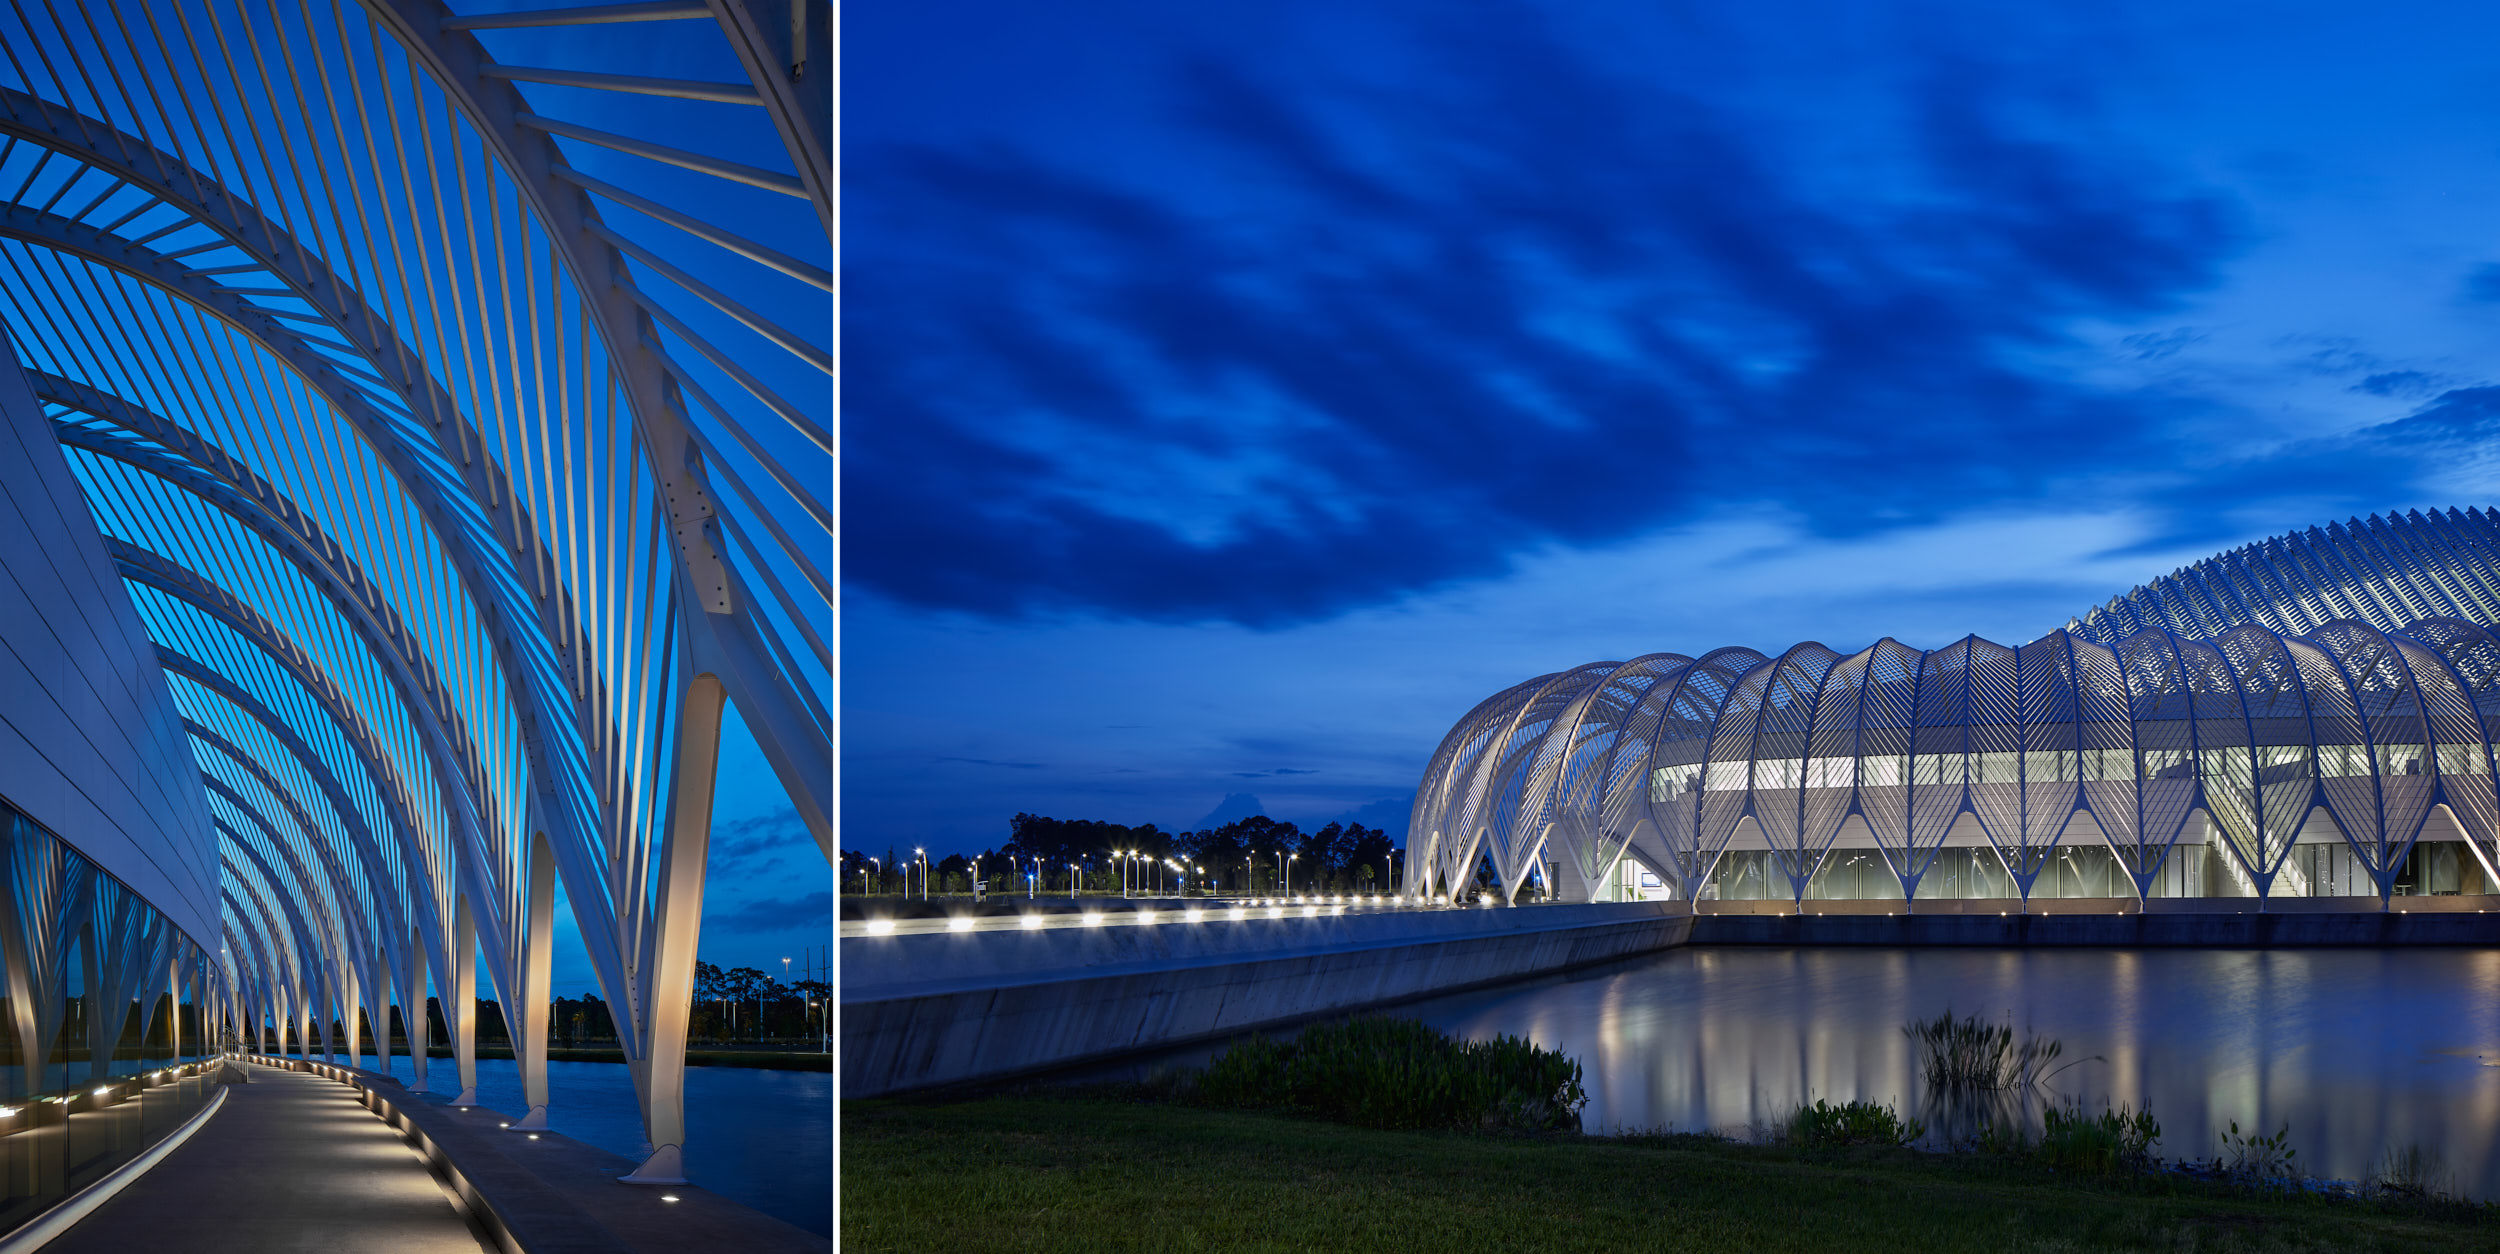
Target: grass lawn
(1050,1172)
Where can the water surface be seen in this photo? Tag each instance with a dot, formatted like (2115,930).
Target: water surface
(762,1139)
(2357,1050)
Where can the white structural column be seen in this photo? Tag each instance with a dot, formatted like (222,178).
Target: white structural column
(460,1000)
(419,1025)
(527,1022)
(681,921)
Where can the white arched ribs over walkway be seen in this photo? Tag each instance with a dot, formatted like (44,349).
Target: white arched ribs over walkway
(452,390)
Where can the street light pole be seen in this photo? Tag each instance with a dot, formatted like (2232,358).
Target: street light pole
(1290,859)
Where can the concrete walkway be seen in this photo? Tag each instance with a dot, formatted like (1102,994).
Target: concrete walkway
(291,1163)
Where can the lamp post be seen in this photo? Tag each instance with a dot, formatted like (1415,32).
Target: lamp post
(922,857)
(1290,859)
(880,873)
(1072,881)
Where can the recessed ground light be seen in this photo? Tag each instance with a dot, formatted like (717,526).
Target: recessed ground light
(102,1092)
(668,1197)
(533,1136)
(1092,919)
(503,1125)
(881,927)
(960,923)
(1032,920)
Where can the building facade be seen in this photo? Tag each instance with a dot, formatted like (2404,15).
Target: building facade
(2308,717)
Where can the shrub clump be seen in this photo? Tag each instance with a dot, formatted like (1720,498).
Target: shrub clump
(1971,1053)
(1825,1126)
(2114,1142)
(1399,1073)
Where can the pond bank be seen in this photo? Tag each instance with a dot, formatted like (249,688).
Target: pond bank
(1080,1173)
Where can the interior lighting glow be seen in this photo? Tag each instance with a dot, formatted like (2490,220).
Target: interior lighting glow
(881,927)
(102,1092)
(960,923)
(7,1112)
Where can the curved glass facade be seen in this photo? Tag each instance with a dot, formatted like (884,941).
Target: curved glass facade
(101,1027)
(2305,763)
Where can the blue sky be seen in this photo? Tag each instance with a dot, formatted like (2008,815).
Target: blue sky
(1234,395)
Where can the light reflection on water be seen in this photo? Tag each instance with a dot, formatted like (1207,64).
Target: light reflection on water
(2357,1049)
(762,1139)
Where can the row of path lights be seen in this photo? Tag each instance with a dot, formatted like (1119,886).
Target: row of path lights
(1275,907)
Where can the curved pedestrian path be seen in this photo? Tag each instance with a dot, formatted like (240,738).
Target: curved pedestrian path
(293,1162)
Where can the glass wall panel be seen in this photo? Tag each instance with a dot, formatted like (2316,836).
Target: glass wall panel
(101,1044)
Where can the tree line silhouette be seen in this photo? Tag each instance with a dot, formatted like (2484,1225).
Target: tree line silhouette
(1245,855)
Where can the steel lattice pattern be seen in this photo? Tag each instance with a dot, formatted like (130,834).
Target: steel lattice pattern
(2114,732)
(453,396)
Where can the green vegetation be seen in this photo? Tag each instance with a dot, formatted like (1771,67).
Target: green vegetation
(1473,1145)
(2410,1173)
(1397,1073)
(1969,1053)
(1099,1172)
(2112,1143)
(2250,1157)
(1825,1126)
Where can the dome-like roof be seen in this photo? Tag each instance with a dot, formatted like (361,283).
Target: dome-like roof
(2388,572)
(2328,699)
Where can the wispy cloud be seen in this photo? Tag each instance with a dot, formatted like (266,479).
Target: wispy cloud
(775,914)
(1567,307)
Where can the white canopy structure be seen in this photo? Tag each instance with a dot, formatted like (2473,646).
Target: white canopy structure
(451,390)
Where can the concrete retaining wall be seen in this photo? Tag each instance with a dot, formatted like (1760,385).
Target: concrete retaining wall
(2160,930)
(945,1008)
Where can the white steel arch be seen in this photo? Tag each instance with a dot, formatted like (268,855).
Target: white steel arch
(2115,731)
(454,397)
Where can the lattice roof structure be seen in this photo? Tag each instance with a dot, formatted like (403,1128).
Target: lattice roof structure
(2113,731)
(451,388)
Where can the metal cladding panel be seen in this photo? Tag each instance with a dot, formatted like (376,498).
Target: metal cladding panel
(91,744)
(2342,679)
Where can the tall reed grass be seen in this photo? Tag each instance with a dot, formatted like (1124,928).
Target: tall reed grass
(1971,1053)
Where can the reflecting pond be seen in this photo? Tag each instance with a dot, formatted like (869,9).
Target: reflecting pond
(2358,1050)
(763,1139)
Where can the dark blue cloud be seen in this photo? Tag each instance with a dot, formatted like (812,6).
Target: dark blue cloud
(2396,383)
(2483,283)
(759,836)
(777,914)
(1351,346)
(2459,418)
